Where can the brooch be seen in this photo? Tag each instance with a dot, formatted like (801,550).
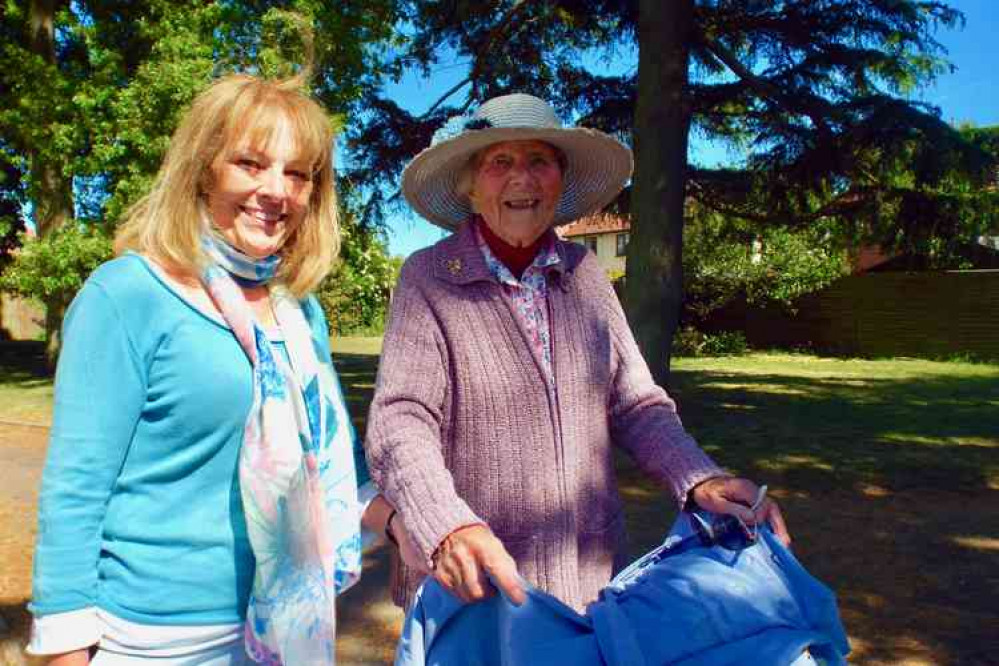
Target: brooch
(454,266)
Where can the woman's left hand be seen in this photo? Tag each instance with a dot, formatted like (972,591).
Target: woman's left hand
(735,496)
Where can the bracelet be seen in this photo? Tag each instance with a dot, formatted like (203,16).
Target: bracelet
(388,529)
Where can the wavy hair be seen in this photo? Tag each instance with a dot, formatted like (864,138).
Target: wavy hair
(168,222)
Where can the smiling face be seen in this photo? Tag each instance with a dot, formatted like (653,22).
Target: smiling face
(516,187)
(261,192)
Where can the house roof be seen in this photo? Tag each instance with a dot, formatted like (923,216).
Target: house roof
(592,225)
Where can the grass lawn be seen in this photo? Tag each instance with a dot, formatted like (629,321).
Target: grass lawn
(822,423)
(887,470)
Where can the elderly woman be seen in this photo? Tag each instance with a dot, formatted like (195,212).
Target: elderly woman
(200,481)
(509,372)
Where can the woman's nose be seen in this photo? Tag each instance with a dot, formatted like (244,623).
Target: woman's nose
(272,183)
(520,172)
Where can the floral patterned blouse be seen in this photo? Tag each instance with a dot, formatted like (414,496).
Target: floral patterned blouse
(529,296)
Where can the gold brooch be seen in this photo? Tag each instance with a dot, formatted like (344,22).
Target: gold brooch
(454,266)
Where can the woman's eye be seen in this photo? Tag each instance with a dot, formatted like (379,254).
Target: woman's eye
(540,161)
(248,163)
(502,161)
(298,174)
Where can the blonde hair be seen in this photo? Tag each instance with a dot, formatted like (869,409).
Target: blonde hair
(168,222)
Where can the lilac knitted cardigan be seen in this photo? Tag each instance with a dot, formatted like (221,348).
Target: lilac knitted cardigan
(464,429)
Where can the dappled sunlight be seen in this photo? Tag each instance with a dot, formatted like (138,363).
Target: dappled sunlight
(732,405)
(989,544)
(894,424)
(638,493)
(872,490)
(923,440)
(906,651)
(757,388)
(368,622)
(785,462)
(886,472)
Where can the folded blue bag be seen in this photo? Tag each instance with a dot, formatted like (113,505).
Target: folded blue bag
(690,601)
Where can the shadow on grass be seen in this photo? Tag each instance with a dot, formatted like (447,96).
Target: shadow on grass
(928,432)
(890,487)
(23,364)
(357,376)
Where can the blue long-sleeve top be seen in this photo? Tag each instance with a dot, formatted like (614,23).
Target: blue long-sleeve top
(140,511)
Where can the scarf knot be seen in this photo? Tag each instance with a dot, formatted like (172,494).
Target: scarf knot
(244,269)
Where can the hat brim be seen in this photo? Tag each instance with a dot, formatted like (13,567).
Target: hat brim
(597,167)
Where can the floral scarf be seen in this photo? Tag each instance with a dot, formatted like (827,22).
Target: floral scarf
(296,472)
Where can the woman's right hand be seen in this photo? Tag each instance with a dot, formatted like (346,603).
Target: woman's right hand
(74,658)
(468,558)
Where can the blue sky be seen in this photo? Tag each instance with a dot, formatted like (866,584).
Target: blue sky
(969,94)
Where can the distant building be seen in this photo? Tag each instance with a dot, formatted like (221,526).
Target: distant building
(604,235)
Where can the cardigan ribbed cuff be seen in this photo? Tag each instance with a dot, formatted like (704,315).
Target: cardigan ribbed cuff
(428,503)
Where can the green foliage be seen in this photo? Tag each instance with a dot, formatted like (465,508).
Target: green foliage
(11,198)
(52,269)
(87,109)
(724,259)
(356,293)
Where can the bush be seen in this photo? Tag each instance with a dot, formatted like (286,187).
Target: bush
(689,341)
(355,296)
(725,343)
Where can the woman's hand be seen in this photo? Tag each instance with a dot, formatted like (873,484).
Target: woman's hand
(735,496)
(468,558)
(74,658)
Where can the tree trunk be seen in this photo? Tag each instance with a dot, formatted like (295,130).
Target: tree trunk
(55,310)
(654,288)
(54,200)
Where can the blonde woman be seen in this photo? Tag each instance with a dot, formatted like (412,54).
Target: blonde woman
(200,503)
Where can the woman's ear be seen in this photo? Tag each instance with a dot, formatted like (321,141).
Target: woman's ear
(473,200)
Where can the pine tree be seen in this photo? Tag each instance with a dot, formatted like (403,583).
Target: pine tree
(814,91)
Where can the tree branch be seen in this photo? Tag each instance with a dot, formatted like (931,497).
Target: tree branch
(456,88)
(837,205)
(763,86)
(497,31)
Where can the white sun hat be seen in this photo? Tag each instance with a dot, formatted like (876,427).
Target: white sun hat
(597,165)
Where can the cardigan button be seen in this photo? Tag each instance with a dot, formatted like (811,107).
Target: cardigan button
(454,266)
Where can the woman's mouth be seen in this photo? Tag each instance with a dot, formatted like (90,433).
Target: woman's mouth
(522,204)
(263,216)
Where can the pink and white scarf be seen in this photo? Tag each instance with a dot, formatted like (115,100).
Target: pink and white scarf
(296,472)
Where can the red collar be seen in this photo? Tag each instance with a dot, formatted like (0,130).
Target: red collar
(517,259)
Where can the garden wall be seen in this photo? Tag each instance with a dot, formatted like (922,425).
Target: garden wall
(883,314)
